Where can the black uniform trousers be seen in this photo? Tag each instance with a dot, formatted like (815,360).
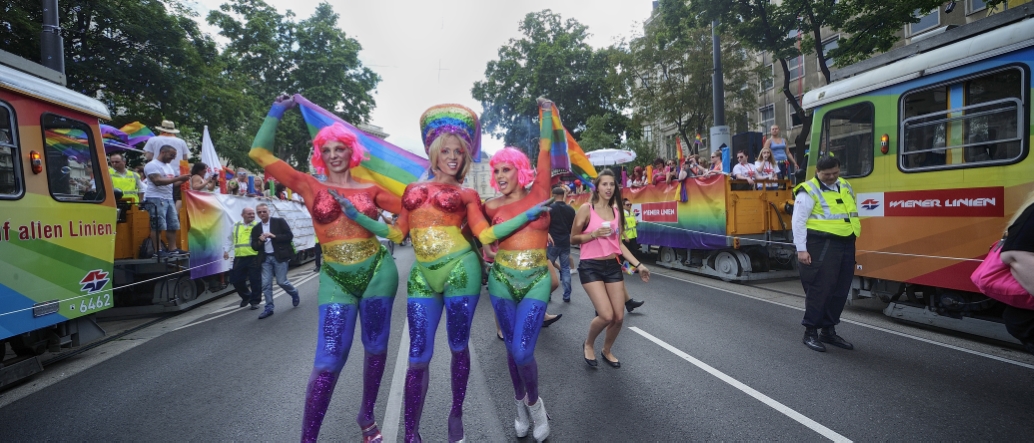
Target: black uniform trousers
(827,280)
(247,270)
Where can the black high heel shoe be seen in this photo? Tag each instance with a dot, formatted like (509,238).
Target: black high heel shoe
(613,364)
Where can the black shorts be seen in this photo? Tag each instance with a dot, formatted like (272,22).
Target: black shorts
(605,270)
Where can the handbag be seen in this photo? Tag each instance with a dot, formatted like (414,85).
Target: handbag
(995,280)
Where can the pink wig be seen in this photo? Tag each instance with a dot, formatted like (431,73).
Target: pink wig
(336,132)
(518,160)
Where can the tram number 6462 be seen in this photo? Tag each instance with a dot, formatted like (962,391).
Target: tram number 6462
(97,302)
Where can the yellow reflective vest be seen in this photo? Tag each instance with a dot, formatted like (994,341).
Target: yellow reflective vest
(242,239)
(126,183)
(834,212)
(630,231)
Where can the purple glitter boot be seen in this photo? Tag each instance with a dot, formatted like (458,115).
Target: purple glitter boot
(321,387)
(460,374)
(372,375)
(416,389)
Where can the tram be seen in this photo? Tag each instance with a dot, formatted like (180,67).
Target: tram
(935,140)
(69,244)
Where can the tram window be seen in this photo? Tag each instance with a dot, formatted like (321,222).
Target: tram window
(847,134)
(71,160)
(985,130)
(10,166)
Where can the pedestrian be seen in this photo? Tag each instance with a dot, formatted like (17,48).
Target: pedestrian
(447,272)
(561,218)
(519,281)
(780,152)
(199,181)
(125,180)
(1018,253)
(744,170)
(628,237)
(825,227)
(161,179)
(596,227)
(272,239)
(246,266)
(358,280)
(167,137)
(766,169)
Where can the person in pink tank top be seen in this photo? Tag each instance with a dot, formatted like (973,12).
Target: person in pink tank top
(597,225)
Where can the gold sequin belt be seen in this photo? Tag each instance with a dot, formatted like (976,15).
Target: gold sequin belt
(351,252)
(522,260)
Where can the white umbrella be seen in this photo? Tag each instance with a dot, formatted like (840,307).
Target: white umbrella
(604,157)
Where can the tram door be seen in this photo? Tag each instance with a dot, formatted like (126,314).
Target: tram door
(58,229)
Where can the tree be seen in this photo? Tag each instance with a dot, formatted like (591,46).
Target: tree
(553,60)
(869,27)
(595,135)
(669,69)
(271,55)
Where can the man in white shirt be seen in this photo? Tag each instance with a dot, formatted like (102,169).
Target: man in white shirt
(167,137)
(161,178)
(744,170)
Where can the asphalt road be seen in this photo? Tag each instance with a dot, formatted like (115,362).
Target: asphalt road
(699,362)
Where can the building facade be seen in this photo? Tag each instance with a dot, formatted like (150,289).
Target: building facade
(774,107)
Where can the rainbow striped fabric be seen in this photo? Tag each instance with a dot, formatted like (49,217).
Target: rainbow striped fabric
(389,166)
(137,133)
(565,153)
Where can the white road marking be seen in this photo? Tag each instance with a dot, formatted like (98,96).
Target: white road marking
(393,410)
(783,409)
(889,331)
(232,309)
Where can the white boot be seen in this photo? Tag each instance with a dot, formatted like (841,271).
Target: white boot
(541,420)
(523,421)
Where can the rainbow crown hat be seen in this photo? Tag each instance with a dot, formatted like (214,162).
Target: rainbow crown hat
(453,119)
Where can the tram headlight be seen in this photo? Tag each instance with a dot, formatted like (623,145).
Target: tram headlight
(36,162)
(885,143)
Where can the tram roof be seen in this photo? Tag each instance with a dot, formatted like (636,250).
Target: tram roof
(33,86)
(1004,32)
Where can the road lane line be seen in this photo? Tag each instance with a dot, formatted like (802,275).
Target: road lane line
(276,294)
(854,322)
(393,409)
(811,424)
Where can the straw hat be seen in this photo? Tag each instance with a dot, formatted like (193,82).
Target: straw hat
(168,127)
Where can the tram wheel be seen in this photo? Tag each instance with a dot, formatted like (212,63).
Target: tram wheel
(667,255)
(185,289)
(727,266)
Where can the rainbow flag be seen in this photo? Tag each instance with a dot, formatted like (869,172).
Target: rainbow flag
(565,153)
(137,133)
(678,150)
(71,142)
(389,166)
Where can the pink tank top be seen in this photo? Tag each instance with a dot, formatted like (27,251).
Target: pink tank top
(601,246)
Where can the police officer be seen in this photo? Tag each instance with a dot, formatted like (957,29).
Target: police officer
(125,180)
(825,227)
(246,265)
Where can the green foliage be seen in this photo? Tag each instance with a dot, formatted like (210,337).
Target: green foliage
(668,69)
(595,136)
(551,60)
(644,152)
(272,55)
(148,61)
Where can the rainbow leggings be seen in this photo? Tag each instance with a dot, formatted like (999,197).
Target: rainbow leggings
(519,285)
(366,289)
(453,284)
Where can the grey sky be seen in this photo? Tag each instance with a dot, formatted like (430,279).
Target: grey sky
(432,52)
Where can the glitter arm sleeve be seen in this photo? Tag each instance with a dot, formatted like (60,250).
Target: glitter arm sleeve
(377,228)
(491,234)
(544,169)
(261,154)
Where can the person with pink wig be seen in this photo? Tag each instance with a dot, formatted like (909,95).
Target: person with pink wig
(358,278)
(519,282)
